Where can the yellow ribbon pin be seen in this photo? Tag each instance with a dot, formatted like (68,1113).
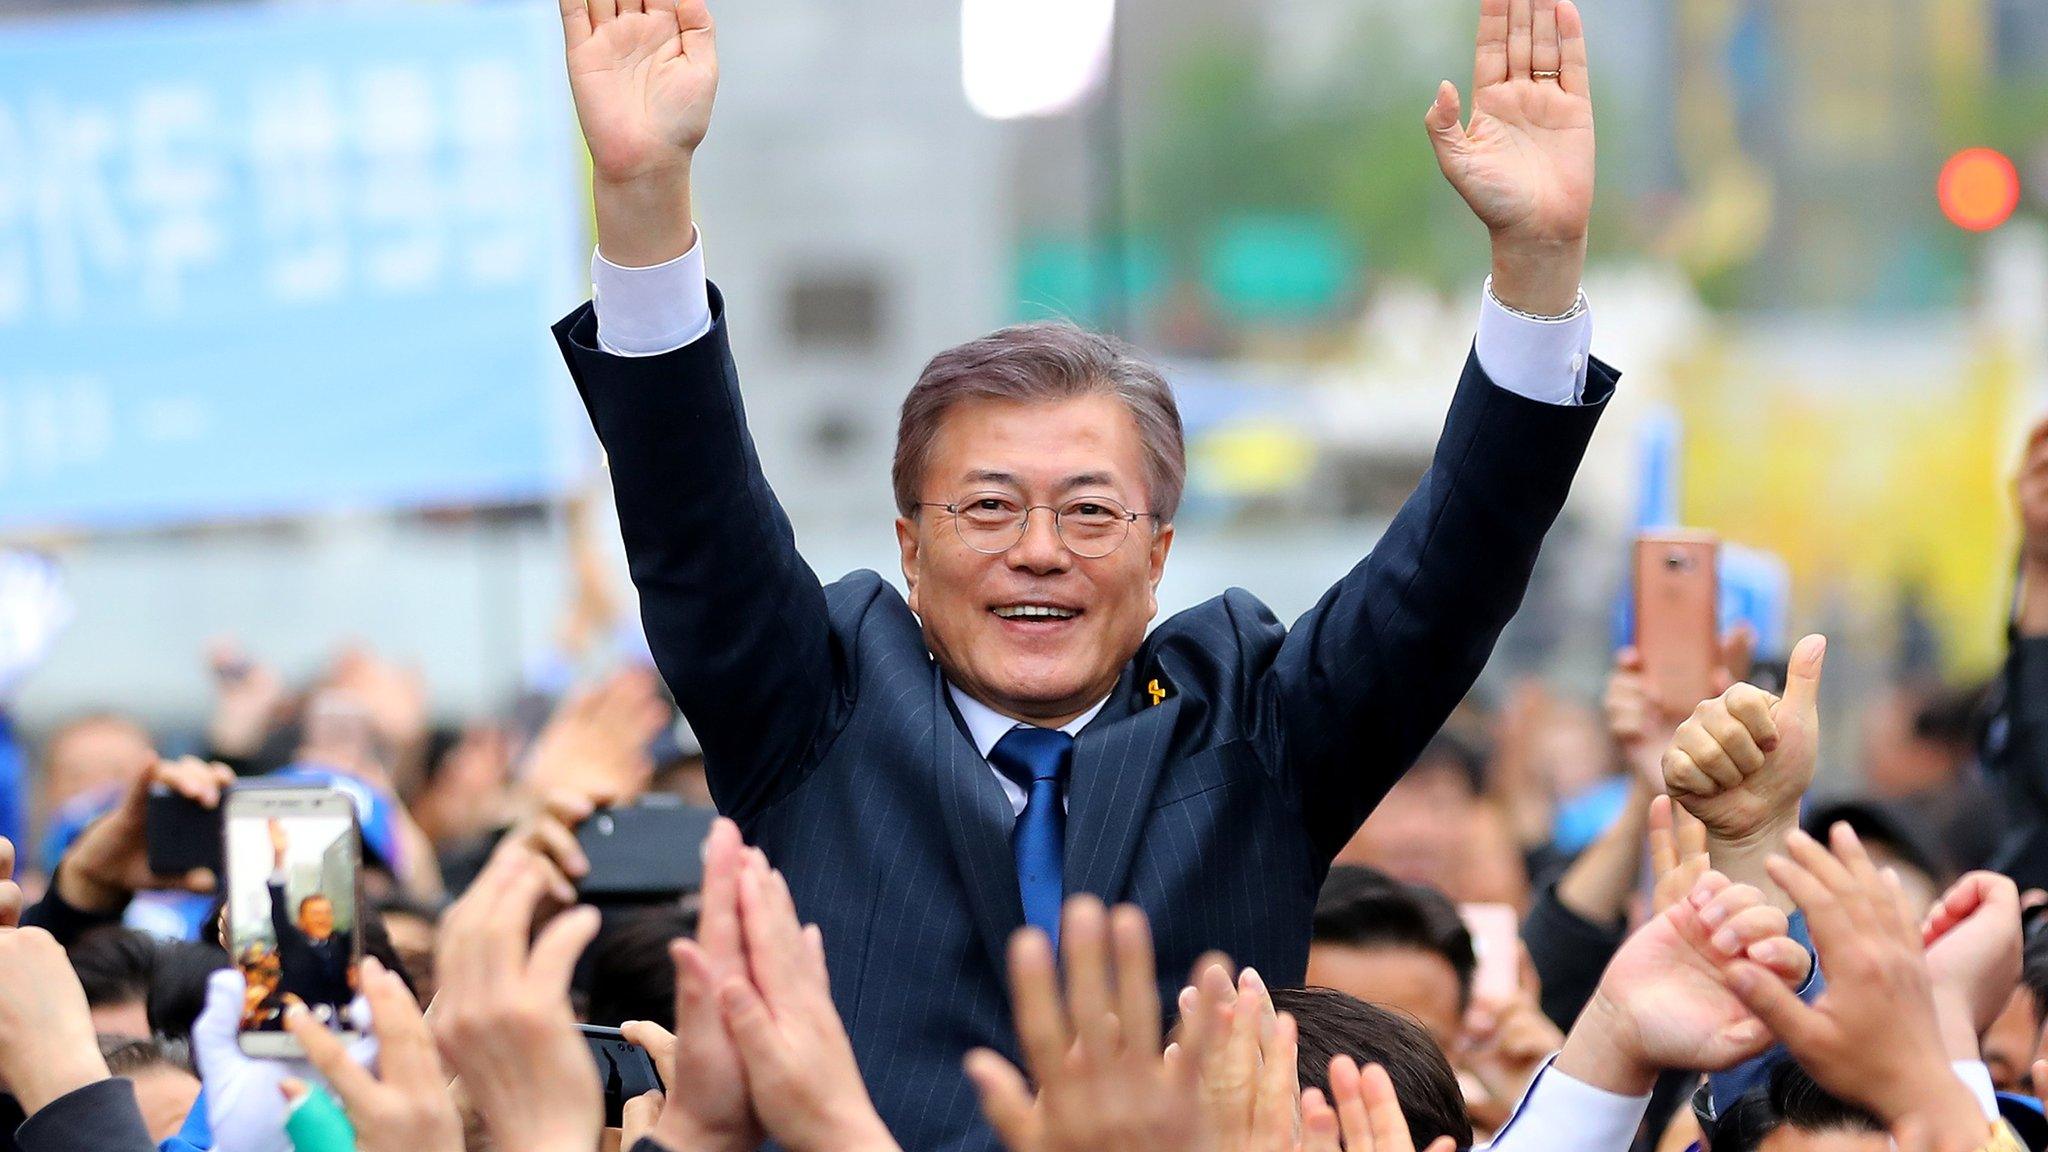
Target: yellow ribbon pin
(1157,693)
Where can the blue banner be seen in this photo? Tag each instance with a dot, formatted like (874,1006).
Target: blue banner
(263,261)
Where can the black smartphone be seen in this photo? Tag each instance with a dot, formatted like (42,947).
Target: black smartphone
(644,852)
(625,1069)
(182,834)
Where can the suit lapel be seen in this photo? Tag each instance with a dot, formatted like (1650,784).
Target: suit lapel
(1117,760)
(978,821)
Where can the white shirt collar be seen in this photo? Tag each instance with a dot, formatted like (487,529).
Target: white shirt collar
(986,725)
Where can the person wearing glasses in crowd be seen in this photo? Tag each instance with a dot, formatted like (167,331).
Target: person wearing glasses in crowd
(934,768)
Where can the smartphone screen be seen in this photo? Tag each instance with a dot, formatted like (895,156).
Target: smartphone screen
(294,870)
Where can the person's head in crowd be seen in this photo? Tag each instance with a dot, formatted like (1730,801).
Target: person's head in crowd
(177,989)
(116,967)
(91,756)
(165,1083)
(1414,833)
(1901,756)
(1394,944)
(630,974)
(1053,417)
(412,930)
(2008,1045)
(1894,837)
(1791,1113)
(1330,1023)
(1569,749)
(316,916)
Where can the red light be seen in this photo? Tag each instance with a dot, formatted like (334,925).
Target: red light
(1978,189)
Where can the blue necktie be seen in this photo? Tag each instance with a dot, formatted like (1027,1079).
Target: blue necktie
(1036,759)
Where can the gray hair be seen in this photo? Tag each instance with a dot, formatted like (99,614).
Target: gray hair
(1038,363)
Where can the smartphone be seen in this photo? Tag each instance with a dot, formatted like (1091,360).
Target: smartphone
(1497,946)
(294,888)
(625,1068)
(182,834)
(1677,605)
(644,852)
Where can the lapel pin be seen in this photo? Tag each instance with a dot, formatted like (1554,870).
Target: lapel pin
(1157,693)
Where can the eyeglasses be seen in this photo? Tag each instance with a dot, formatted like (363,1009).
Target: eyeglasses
(991,523)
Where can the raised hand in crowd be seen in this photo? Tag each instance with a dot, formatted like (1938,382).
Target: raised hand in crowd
(1361,1109)
(1874,1037)
(596,744)
(1504,1045)
(1666,1002)
(717,1114)
(109,862)
(1641,724)
(1678,852)
(644,78)
(1742,761)
(799,1065)
(1093,1050)
(503,1020)
(246,696)
(245,1102)
(404,1106)
(1973,940)
(47,1048)
(1245,1057)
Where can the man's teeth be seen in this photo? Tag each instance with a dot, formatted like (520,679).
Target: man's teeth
(1034,612)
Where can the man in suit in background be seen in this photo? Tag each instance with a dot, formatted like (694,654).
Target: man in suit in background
(934,772)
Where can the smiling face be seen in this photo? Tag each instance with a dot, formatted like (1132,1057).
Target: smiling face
(316,917)
(1037,633)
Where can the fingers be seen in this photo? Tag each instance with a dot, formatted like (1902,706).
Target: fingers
(1749,708)
(1521,18)
(1036,1005)
(1707,755)
(1319,1123)
(1766,996)
(1273,1116)
(753,1029)
(693,24)
(1084,952)
(1543,44)
(326,1053)
(1352,1114)
(1573,75)
(1784,958)
(1802,675)
(774,939)
(1663,844)
(1490,59)
(575,23)
(1446,137)
(638,1115)
(405,1049)
(552,963)
(651,1038)
(718,917)
(1005,1098)
(1812,879)
(1691,833)
(1383,1110)
(603,11)
(1137,987)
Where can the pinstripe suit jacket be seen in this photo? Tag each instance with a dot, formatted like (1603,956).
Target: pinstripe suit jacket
(829,737)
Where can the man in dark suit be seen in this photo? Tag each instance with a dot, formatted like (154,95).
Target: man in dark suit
(312,961)
(933,772)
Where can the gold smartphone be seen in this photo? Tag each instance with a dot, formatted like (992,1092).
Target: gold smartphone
(1678,597)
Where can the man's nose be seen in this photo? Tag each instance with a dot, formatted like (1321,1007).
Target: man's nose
(1040,548)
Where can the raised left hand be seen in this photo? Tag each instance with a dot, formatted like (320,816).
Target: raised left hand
(1524,164)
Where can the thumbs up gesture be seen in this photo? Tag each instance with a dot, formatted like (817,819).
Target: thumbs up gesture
(1742,760)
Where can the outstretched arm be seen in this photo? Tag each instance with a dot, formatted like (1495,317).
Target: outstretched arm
(735,618)
(1377,665)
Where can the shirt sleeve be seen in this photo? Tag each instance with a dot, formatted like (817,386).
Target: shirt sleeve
(1539,359)
(1560,1114)
(102,1116)
(649,311)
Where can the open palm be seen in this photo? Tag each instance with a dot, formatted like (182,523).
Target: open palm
(643,73)
(1525,162)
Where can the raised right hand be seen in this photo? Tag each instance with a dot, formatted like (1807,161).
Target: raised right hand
(109,862)
(644,73)
(1742,760)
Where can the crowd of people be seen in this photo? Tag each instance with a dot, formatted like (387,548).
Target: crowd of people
(1002,863)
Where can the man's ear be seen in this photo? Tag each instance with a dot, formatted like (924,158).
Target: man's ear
(906,543)
(1162,543)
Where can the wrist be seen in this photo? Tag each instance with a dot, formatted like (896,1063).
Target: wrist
(1740,856)
(1593,1053)
(1538,276)
(645,220)
(55,1075)
(1957,1019)
(1947,1109)
(78,886)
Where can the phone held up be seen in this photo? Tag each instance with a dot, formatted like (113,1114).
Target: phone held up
(294,895)
(1677,604)
(626,1069)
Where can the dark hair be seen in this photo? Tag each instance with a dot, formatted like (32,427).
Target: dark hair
(1366,908)
(177,988)
(630,974)
(2034,967)
(1790,1099)
(1461,744)
(126,1056)
(1036,363)
(1331,1024)
(115,965)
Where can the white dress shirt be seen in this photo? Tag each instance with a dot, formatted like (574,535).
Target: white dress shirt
(986,726)
(1561,1114)
(649,311)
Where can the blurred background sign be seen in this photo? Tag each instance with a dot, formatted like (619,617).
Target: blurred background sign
(262,262)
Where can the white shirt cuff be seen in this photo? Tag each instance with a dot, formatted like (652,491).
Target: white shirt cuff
(1542,360)
(649,311)
(1560,1114)
(1977,1078)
